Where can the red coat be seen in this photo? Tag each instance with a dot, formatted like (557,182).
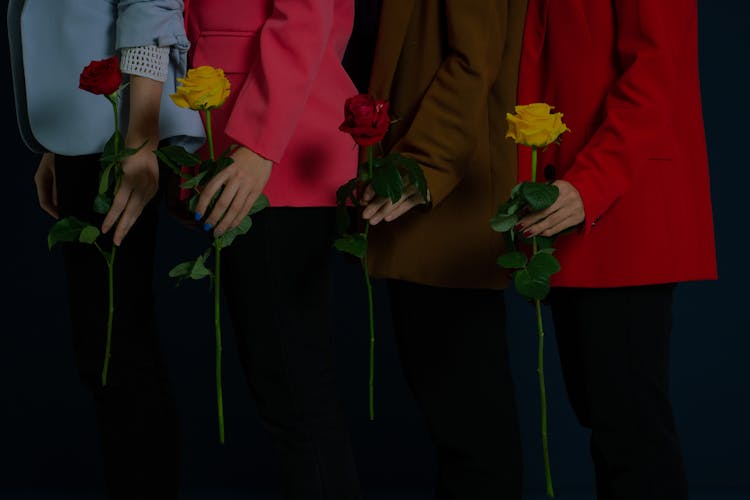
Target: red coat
(625,75)
(288,87)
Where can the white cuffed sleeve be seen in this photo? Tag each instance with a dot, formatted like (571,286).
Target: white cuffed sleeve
(148,61)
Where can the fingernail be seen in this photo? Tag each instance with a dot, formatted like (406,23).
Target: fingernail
(206,226)
(198,216)
(217,233)
(518,227)
(527,234)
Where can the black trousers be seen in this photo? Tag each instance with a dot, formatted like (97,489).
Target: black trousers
(455,359)
(135,411)
(276,284)
(614,350)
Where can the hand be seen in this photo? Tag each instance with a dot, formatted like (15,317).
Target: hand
(46,189)
(243,181)
(139,183)
(378,208)
(566,212)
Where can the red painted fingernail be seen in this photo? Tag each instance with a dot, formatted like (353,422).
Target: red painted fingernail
(527,234)
(518,227)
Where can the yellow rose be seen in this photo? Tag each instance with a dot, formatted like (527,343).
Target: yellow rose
(203,88)
(535,125)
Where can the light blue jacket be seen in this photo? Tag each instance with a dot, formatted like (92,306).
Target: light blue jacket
(51,41)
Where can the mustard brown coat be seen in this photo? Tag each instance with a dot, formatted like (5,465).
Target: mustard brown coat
(449,69)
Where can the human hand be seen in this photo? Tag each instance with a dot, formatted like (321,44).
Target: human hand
(378,208)
(243,182)
(46,190)
(566,212)
(138,185)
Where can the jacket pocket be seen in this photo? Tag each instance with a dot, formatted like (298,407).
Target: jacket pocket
(232,51)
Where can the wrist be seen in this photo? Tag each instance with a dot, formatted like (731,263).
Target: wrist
(147,140)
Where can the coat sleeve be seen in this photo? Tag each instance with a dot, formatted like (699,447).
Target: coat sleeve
(15,7)
(443,134)
(150,22)
(637,108)
(269,105)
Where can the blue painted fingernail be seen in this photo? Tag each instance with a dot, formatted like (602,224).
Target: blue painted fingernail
(206,226)
(198,216)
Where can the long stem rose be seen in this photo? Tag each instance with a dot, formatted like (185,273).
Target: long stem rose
(206,88)
(366,120)
(534,126)
(101,78)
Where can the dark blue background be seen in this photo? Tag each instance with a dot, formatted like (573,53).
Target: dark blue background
(48,439)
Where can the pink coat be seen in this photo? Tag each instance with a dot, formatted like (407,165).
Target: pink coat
(283,59)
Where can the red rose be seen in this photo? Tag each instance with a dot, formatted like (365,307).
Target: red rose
(101,77)
(366,119)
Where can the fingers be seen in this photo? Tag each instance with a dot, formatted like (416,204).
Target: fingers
(239,185)
(246,207)
(138,184)
(209,191)
(46,188)
(566,212)
(544,224)
(374,207)
(561,226)
(368,195)
(223,203)
(535,217)
(47,200)
(234,212)
(401,209)
(132,211)
(117,207)
(385,209)
(54,193)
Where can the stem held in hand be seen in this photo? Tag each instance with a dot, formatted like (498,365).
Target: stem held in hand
(111,259)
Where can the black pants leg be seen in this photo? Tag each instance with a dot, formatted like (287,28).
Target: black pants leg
(614,350)
(135,410)
(455,358)
(276,282)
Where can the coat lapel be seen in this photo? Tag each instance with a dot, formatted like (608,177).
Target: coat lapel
(394,22)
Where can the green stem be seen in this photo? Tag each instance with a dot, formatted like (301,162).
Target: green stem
(209,135)
(540,357)
(371,392)
(217,328)
(114,99)
(543,397)
(111,258)
(372,340)
(110,312)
